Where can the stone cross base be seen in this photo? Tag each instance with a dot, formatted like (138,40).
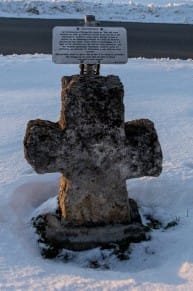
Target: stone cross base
(81,238)
(57,234)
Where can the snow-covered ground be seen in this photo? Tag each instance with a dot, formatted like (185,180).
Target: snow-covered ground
(169,11)
(157,89)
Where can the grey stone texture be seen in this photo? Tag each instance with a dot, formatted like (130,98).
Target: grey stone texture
(94,149)
(59,235)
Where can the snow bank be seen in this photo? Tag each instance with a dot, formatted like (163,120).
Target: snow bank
(178,11)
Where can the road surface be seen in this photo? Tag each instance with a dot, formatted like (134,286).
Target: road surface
(150,40)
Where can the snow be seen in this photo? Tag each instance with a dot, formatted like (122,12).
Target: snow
(157,89)
(173,11)
(160,90)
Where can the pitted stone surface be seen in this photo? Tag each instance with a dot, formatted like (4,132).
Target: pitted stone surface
(83,238)
(94,149)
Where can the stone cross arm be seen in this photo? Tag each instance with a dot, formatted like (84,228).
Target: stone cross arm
(48,149)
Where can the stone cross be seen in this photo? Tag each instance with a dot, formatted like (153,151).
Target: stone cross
(94,149)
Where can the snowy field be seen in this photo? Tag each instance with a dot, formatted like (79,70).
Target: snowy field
(161,90)
(168,11)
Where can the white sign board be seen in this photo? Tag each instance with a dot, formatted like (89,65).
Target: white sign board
(89,45)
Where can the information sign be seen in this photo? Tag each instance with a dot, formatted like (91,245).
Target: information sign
(89,45)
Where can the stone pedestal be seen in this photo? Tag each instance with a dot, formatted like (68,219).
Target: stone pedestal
(95,150)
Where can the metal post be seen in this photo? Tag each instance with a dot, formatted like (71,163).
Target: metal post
(89,69)
(89,20)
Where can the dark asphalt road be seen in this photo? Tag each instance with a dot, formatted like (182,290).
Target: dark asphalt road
(148,40)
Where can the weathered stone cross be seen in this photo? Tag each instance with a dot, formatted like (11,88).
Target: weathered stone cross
(94,149)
